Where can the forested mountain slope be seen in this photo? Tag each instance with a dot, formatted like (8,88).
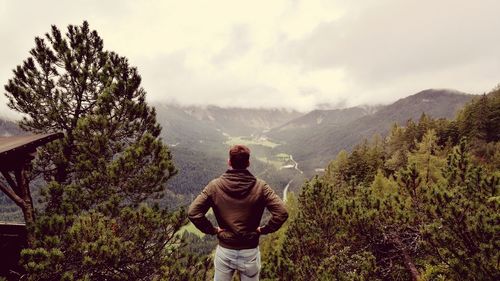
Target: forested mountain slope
(212,123)
(199,136)
(314,149)
(318,120)
(421,204)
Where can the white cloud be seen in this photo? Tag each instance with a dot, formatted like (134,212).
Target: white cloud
(298,54)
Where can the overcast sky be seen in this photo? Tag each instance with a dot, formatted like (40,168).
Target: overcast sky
(300,54)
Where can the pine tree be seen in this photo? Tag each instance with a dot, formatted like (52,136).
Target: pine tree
(270,245)
(396,150)
(463,230)
(420,206)
(336,172)
(96,223)
(479,120)
(426,158)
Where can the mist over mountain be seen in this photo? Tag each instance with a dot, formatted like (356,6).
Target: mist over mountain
(200,136)
(331,117)
(200,122)
(316,145)
(305,125)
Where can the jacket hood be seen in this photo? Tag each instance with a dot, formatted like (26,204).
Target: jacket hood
(237,182)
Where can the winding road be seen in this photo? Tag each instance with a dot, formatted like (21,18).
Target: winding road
(296,167)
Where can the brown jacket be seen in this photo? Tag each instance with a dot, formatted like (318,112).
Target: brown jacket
(238,200)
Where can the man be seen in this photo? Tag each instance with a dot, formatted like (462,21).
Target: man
(238,200)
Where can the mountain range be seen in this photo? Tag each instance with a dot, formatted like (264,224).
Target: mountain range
(279,138)
(318,142)
(313,138)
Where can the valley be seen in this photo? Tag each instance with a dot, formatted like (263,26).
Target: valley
(287,146)
(274,135)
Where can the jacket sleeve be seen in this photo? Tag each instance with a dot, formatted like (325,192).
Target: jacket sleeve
(199,208)
(277,209)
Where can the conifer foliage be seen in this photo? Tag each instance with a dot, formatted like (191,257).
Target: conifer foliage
(95,223)
(420,205)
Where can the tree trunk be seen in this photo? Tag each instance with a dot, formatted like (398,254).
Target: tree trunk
(29,219)
(408,261)
(20,193)
(27,204)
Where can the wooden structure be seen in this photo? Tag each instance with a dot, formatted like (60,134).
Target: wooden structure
(12,241)
(16,153)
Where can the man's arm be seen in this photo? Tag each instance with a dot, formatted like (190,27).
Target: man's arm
(277,209)
(197,211)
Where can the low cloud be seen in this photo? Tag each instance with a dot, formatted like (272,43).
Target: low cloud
(298,54)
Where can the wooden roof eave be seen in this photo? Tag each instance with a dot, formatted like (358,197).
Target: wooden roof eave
(17,150)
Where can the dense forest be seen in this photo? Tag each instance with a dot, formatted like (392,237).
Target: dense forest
(420,204)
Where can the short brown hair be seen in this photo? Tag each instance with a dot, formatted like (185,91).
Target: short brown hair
(239,155)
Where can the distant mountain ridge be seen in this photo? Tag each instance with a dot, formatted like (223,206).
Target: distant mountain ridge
(305,125)
(246,121)
(324,117)
(199,136)
(320,144)
(237,121)
(213,123)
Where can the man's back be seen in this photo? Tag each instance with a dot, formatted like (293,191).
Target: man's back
(238,200)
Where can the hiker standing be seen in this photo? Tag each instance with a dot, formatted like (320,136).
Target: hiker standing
(238,200)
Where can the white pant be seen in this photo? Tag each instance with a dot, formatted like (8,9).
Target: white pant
(246,262)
